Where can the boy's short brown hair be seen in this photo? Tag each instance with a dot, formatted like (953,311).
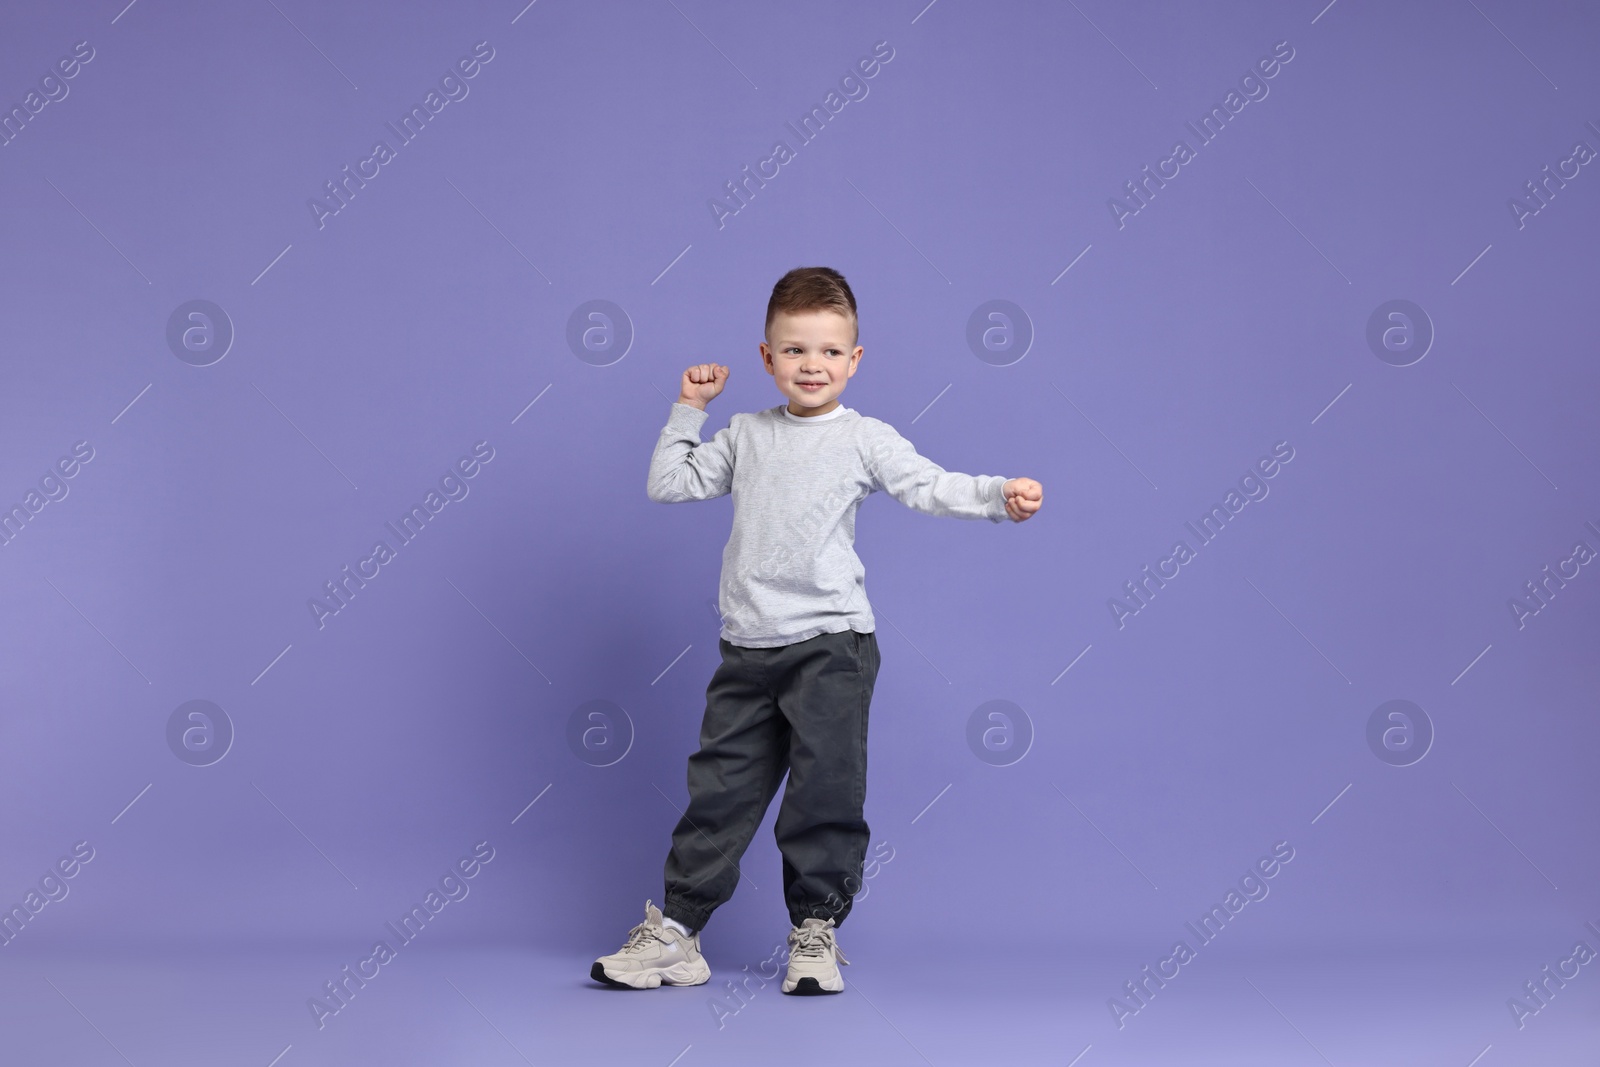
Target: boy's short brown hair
(813,289)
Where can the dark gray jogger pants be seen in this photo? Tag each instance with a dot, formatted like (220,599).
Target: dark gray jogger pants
(800,708)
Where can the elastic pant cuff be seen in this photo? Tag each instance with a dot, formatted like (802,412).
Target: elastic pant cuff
(692,917)
(798,918)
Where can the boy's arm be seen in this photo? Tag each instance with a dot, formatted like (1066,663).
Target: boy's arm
(919,483)
(685,468)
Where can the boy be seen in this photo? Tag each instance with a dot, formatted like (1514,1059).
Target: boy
(798,642)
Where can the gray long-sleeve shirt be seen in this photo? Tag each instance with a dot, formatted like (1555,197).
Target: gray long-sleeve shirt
(790,569)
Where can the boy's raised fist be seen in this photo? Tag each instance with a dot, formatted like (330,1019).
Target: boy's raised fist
(701,384)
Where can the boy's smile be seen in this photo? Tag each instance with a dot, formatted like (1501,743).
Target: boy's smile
(812,356)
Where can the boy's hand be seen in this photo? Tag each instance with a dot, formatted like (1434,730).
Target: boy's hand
(1024,496)
(702,384)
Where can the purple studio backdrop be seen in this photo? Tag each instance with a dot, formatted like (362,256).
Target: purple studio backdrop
(1283,304)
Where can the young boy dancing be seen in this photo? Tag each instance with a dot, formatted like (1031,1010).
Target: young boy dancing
(798,642)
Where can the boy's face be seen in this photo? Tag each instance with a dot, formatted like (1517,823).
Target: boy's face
(811,347)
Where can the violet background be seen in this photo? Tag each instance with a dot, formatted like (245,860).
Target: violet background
(432,312)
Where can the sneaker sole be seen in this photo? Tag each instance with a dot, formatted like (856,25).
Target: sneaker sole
(678,974)
(810,987)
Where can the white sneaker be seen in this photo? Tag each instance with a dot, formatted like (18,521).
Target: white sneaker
(654,953)
(814,957)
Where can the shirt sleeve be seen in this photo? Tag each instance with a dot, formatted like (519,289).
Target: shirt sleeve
(894,466)
(685,468)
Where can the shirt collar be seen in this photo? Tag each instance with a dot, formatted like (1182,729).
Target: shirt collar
(835,413)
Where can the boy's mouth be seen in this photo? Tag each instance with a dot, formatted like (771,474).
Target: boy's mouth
(812,386)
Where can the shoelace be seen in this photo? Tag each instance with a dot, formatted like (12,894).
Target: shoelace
(639,935)
(811,940)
